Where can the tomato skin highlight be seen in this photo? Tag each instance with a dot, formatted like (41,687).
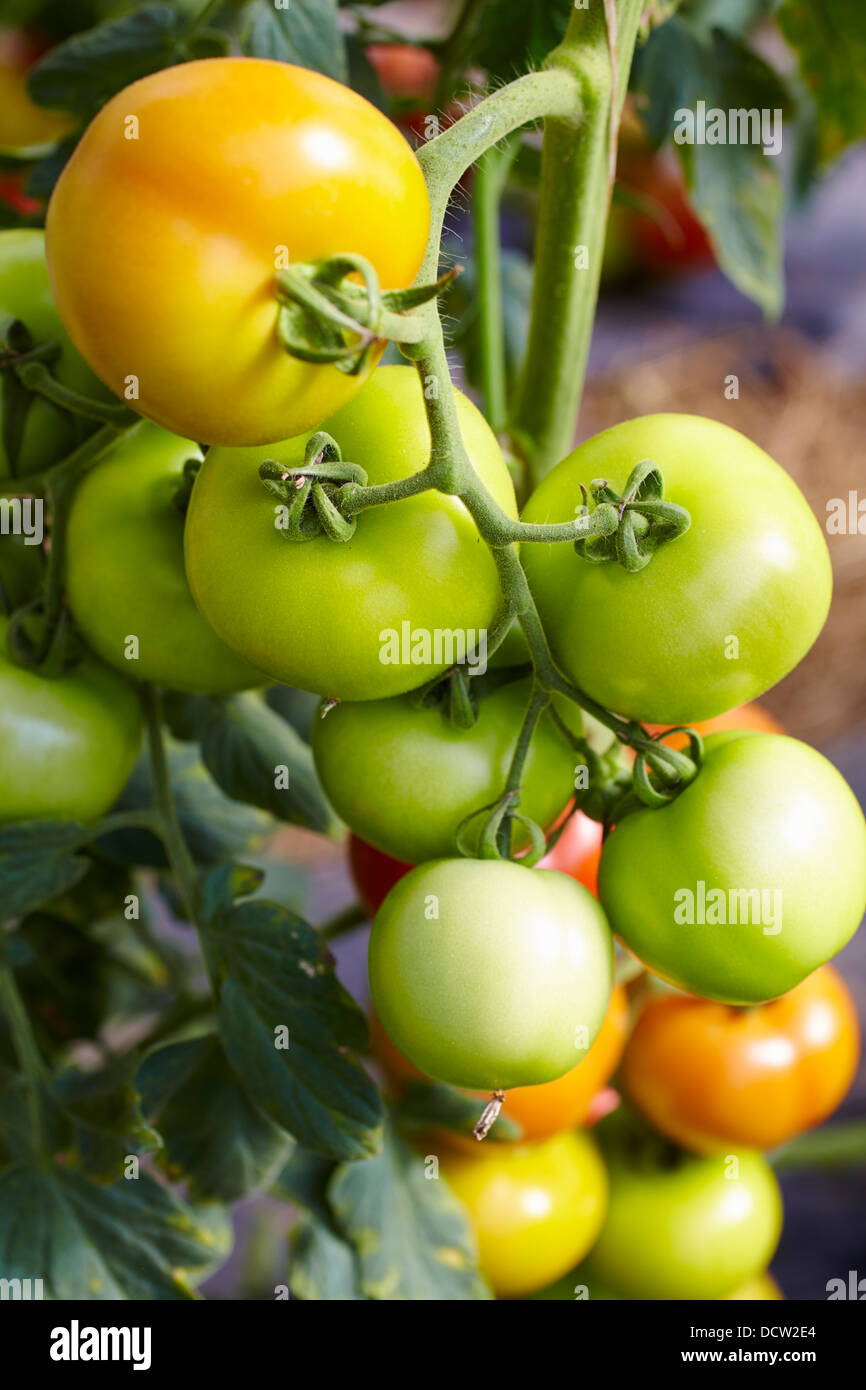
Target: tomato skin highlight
(535,1208)
(712,1078)
(404,778)
(488,975)
(765,815)
(67,745)
(753,568)
(313,614)
(163,248)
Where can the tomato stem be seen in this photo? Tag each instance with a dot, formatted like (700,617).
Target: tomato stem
(28,1054)
(490,178)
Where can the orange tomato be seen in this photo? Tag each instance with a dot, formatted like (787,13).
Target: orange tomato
(712,1076)
(539,1110)
(751,716)
(23,124)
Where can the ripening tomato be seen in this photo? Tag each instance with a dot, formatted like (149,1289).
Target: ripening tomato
(713,1077)
(373,873)
(539,1110)
(359,619)
(742,717)
(24,125)
(404,70)
(720,613)
(489,975)
(578,851)
(406,778)
(679,1226)
(125,570)
(67,745)
(186,194)
(749,879)
(535,1208)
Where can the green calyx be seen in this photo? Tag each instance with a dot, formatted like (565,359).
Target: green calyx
(327,317)
(311,493)
(643,520)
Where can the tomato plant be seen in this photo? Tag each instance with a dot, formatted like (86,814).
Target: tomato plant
(314,171)
(472,917)
(679,1226)
(125,571)
(577,851)
(712,1077)
(359,620)
(535,1208)
(721,613)
(733,890)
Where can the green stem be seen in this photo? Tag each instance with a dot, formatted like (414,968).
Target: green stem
(490,176)
(342,922)
(29,1056)
(37,377)
(170,831)
(576,183)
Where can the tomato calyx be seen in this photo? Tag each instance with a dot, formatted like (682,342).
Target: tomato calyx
(312,492)
(36,642)
(644,520)
(325,317)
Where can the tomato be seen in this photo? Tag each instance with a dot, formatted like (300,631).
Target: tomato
(535,1208)
(13,195)
(751,716)
(712,1077)
(373,873)
(163,243)
(404,70)
(49,433)
(405,778)
(340,618)
(751,878)
(582,1284)
(679,1226)
(665,234)
(24,124)
(578,851)
(760,1289)
(539,1110)
(489,975)
(67,746)
(21,569)
(125,570)
(720,613)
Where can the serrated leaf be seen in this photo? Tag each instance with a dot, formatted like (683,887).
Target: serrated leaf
(427,1105)
(411,1234)
(324,1266)
(134,1240)
(255,756)
(213,1136)
(83,72)
(829,38)
(104,1108)
(38,860)
(307,32)
(276,976)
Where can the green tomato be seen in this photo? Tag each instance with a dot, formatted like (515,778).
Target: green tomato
(327,616)
(489,975)
(404,778)
(125,571)
(719,614)
(21,568)
(578,1286)
(768,834)
(25,294)
(679,1226)
(67,746)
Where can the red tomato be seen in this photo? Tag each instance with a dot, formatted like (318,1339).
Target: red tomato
(577,851)
(373,873)
(404,70)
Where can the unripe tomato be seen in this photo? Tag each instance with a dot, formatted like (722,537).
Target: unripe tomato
(49,433)
(489,975)
(21,571)
(328,616)
(761,1289)
(126,576)
(578,851)
(535,1208)
(719,614)
(582,1285)
(405,778)
(539,1110)
(682,1227)
(373,873)
(188,191)
(749,879)
(68,745)
(714,1078)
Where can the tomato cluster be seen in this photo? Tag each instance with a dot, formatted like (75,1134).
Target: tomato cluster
(492,967)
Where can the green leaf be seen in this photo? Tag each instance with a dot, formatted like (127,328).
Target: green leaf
(82,73)
(410,1232)
(515,36)
(214,826)
(255,756)
(324,1266)
(63,978)
(134,1240)
(104,1107)
(307,32)
(39,860)
(428,1105)
(829,38)
(836,1146)
(278,984)
(736,190)
(213,1136)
